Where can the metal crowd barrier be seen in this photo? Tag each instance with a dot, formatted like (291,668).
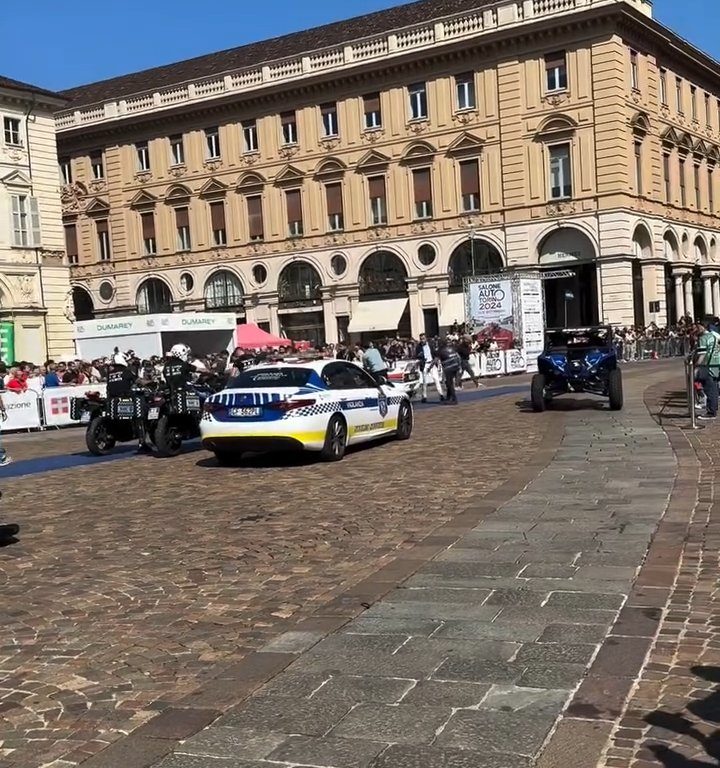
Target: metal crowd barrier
(653,349)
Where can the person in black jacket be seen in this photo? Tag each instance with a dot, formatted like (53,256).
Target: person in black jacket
(177,370)
(450,361)
(464,349)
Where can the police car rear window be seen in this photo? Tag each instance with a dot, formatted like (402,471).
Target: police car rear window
(271,377)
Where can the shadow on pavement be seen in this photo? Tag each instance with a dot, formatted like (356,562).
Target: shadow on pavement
(706,709)
(565,405)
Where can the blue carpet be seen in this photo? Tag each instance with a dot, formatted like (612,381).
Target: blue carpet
(74,460)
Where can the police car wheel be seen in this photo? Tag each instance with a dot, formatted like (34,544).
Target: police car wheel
(335,439)
(99,442)
(405,421)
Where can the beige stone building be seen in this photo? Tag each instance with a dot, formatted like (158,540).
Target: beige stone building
(35,294)
(345,179)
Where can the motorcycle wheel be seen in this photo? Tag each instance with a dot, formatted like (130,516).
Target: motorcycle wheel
(168,438)
(97,438)
(537,393)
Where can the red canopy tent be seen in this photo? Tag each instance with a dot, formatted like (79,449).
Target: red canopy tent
(249,336)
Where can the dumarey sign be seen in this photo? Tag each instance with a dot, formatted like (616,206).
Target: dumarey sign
(121,326)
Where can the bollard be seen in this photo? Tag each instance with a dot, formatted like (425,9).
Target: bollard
(690,386)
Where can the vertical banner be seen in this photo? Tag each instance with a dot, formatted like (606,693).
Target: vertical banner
(490,310)
(532,319)
(7,342)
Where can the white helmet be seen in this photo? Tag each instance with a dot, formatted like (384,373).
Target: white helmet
(182,351)
(119,359)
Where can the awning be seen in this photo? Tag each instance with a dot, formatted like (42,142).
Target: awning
(382,315)
(453,309)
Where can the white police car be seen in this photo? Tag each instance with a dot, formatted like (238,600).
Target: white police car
(322,406)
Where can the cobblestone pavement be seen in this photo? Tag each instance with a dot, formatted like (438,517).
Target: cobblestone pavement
(471,661)
(138,583)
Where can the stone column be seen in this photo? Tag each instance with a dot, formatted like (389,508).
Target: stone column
(417,320)
(650,291)
(679,296)
(707,292)
(328,303)
(689,303)
(716,296)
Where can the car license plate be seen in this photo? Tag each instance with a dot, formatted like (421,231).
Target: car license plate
(245,413)
(126,410)
(153,413)
(193,403)
(85,417)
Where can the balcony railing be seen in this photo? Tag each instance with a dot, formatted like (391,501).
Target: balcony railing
(388,45)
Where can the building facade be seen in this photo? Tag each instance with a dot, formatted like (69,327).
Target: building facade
(346,179)
(35,293)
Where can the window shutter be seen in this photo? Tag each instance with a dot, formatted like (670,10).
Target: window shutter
(372,102)
(377,187)
(71,244)
(333,193)
(182,217)
(255,216)
(217,215)
(17,220)
(469,178)
(35,222)
(294,206)
(421,182)
(148,225)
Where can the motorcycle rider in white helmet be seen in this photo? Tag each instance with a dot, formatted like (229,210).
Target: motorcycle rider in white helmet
(177,369)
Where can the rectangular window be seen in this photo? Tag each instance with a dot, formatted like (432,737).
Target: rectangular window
(711,191)
(212,143)
(71,243)
(293,203)
(556,71)
(708,119)
(666,177)
(373,114)
(11,131)
(693,102)
(560,172)
(378,204)
(663,87)
(638,167)
(418,101)
(25,221)
(333,196)
(177,150)
(182,225)
(696,184)
(143,156)
(147,221)
(470,185)
(250,136)
(256,228)
(66,171)
(102,230)
(217,222)
(422,188)
(97,165)
(329,120)
(289,128)
(634,71)
(678,95)
(465,91)
(683,194)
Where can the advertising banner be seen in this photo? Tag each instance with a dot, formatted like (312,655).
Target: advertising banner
(515,361)
(7,341)
(532,319)
(56,402)
(492,364)
(490,310)
(23,410)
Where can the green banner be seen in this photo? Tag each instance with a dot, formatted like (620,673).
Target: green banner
(7,342)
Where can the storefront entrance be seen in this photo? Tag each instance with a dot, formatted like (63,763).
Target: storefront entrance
(303,326)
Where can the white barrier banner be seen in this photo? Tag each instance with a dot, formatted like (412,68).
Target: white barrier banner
(515,361)
(23,410)
(56,402)
(492,364)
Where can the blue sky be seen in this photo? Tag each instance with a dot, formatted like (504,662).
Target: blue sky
(85,40)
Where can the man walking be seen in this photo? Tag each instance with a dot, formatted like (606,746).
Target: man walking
(426,356)
(707,358)
(450,361)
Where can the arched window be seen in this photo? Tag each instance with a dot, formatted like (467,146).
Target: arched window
(299,283)
(473,257)
(83,306)
(153,296)
(223,290)
(382,273)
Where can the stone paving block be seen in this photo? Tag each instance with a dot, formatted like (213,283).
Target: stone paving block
(584,600)
(411,666)
(431,610)
(548,571)
(398,756)
(292,642)
(575,744)
(286,715)
(195,761)
(408,626)
(347,643)
(447,647)
(517,632)
(555,653)
(446,694)
(354,689)
(513,698)
(437,595)
(557,615)
(480,671)
(328,752)
(496,731)
(225,741)
(402,724)
(573,633)
(176,723)
(524,597)
(552,676)
(293,684)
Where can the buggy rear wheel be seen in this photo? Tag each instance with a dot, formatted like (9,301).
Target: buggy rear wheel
(537,393)
(615,390)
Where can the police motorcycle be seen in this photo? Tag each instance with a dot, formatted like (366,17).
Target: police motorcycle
(8,531)
(176,409)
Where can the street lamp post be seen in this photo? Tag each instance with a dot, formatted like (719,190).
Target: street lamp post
(472,250)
